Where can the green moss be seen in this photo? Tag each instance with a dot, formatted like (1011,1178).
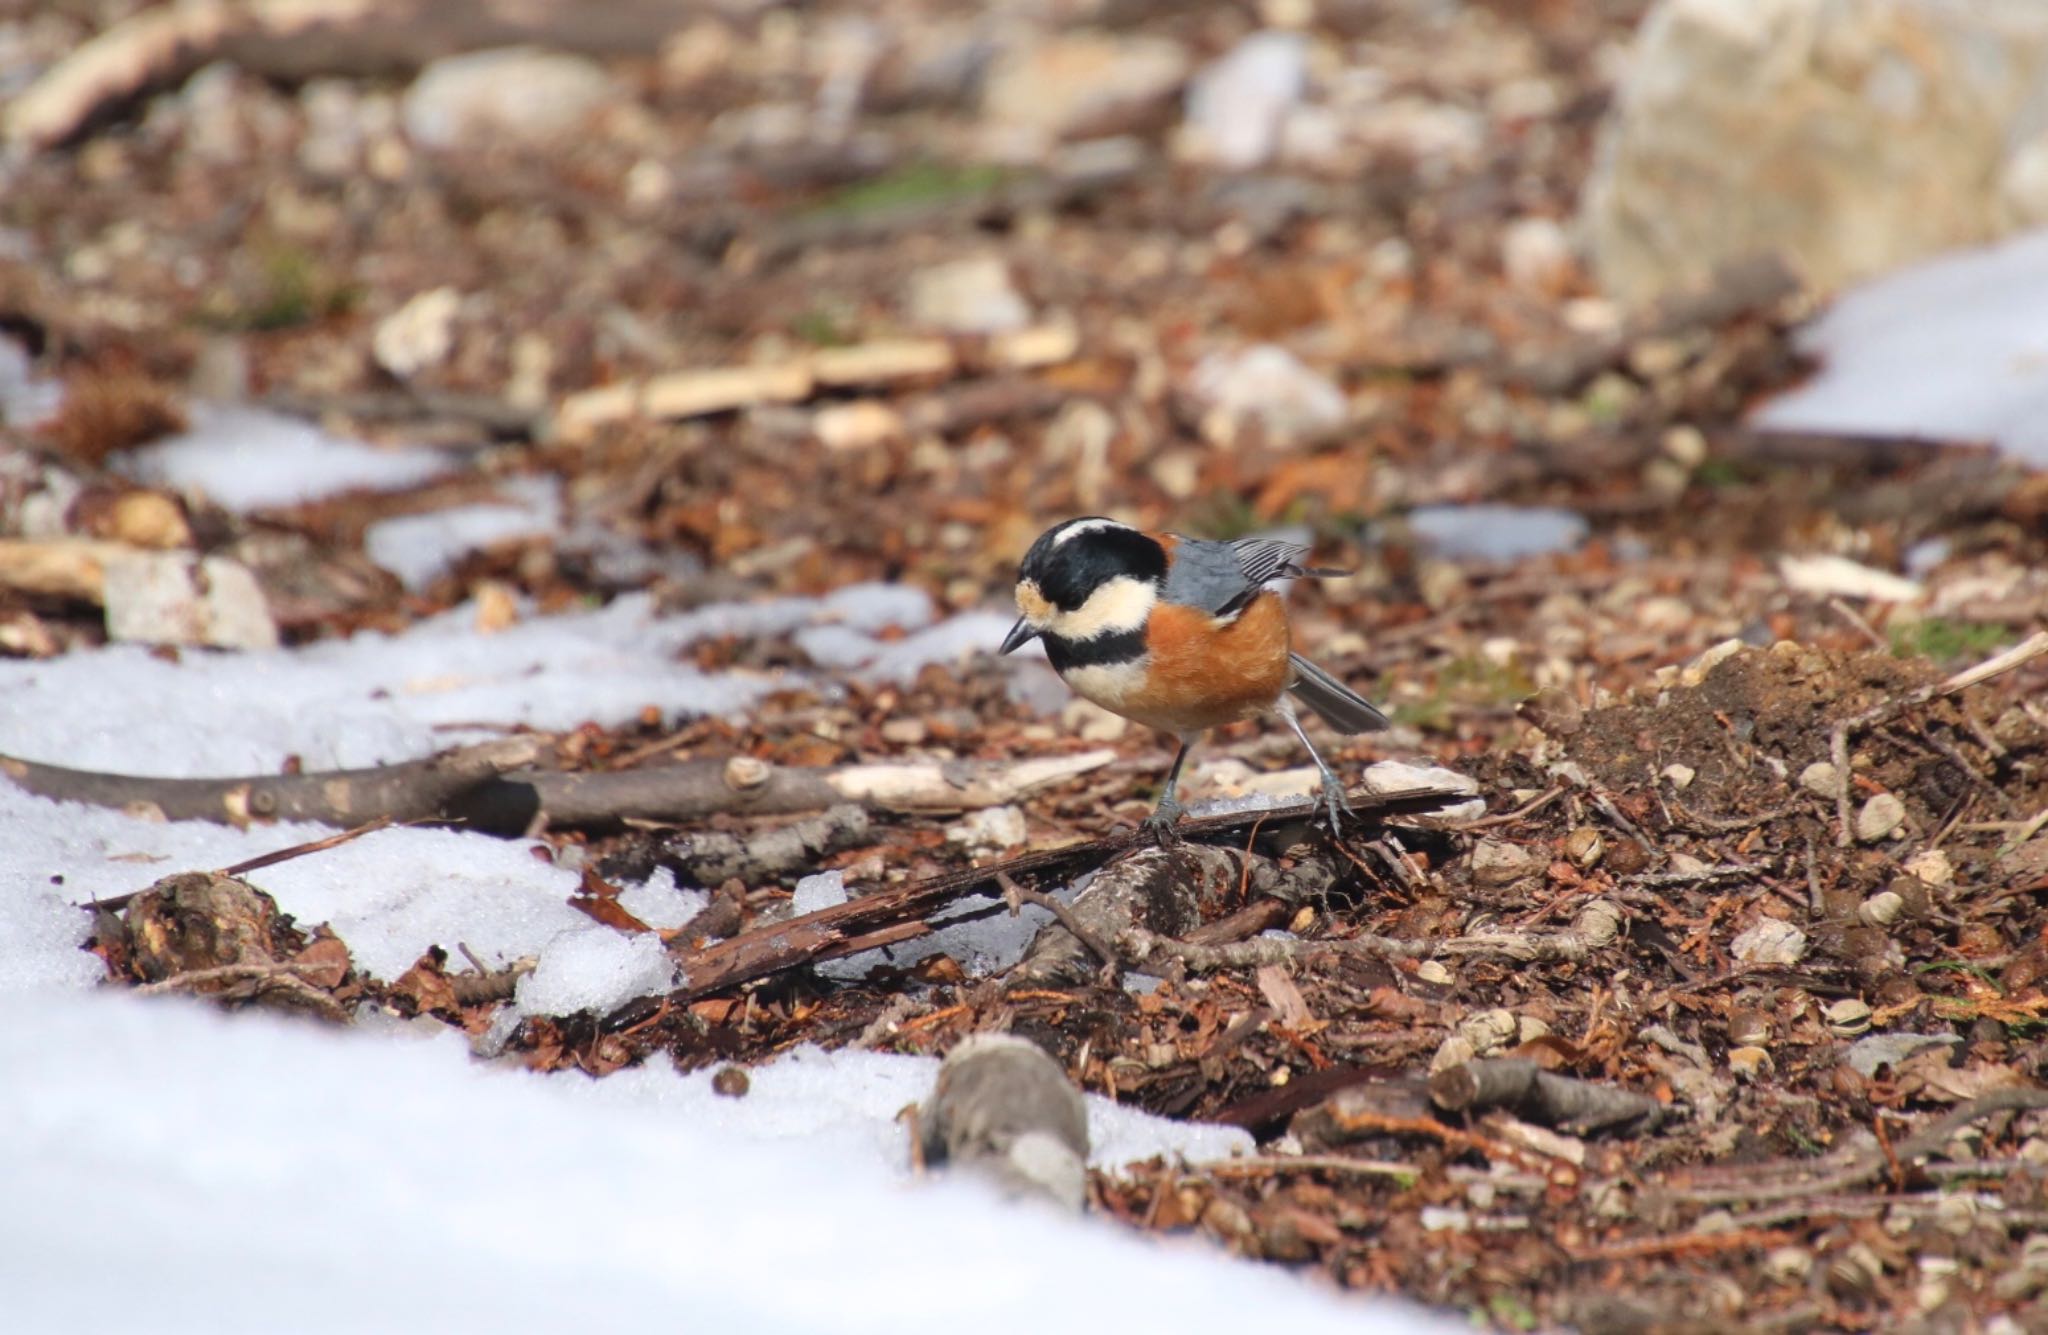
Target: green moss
(292,286)
(1464,683)
(1510,1312)
(1942,640)
(910,187)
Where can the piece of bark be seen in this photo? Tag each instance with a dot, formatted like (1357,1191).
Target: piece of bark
(713,857)
(1528,1091)
(1345,1116)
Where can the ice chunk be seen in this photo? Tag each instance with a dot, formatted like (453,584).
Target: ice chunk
(595,968)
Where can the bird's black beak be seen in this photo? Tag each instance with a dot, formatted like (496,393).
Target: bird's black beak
(1020,635)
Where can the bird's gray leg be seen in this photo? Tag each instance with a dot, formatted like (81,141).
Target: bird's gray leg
(1333,790)
(1167,814)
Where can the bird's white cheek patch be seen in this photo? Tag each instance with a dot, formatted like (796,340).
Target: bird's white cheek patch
(1119,606)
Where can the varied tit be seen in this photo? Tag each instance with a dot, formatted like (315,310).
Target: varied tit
(1178,634)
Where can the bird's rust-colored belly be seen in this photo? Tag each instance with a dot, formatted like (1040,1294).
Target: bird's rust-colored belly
(1202,675)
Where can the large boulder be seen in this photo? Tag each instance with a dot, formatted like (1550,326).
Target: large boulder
(1848,136)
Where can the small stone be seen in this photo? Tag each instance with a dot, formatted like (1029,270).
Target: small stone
(732,1082)
(1536,254)
(1769,941)
(1268,385)
(1686,446)
(1237,105)
(1932,866)
(1080,83)
(512,93)
(1433,972)
(1748,1027)
(905,731)
(1848,1017)
(1749,1063)
(990,830)
(1821,779)
(1556,712)
(1881,816)
(1680,777)
(1455,1050)
(968,296)
(1788,1265)
(1497,864)
(1685,864)
(1489,1030)
(860,425)
(1881,909)
(419,335)
(176,598)
(1695,672)
(1870,1055)
(1392,776)
(1528,1029)
(1584,847)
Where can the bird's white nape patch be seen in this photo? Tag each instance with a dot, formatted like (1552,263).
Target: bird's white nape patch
(1079,526)
(1117,606)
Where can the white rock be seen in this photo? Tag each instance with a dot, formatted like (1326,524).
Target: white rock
(967,296)
(1828,575)
(1392,776)
(1536,255)
(1880,816)
(177,598)
(1744,126)
(1497,863)
(419,335)
(515,94)
(990,830)
(1695,672)
(860,425)
(1932,866)
(1770,941)
(1680,777)
(1269,385)
(1822,780)
(1081,82)
(1237,105)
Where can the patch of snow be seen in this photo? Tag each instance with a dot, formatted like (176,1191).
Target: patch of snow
(1955,349)
(250,459)
(389,895)
(25,398)
(594,968)
(419,548)
(660,902)
(825,890)
(461,1198)
(1496,532)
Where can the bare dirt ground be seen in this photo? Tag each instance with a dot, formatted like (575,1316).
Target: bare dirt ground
(1794,894)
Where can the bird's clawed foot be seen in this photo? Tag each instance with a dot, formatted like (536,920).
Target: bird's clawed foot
(1162,825)
(1334,804)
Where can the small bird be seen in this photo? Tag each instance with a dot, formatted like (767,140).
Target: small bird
(1179,634)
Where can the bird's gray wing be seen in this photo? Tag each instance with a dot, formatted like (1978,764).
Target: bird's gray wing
(1222,577)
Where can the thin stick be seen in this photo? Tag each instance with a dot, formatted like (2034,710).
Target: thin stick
(1267,1164)
(261,861)
(1014,894)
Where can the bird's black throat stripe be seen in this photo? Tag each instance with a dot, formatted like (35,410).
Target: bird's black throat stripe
(1123,646)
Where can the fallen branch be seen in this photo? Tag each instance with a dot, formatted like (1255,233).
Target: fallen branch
(1838,740)
(1597,924)
(481,787)
(1873,1163)
(713,857)
(300,39)
(414,790)
(901,914)
(1536,1095)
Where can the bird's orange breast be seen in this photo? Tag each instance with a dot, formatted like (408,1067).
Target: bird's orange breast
(1204,674)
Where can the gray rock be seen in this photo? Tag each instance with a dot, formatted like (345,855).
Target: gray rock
(1745,126)
(967,296)
(1081,82)
(515,94)
(1237,105)
(1003,1108)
